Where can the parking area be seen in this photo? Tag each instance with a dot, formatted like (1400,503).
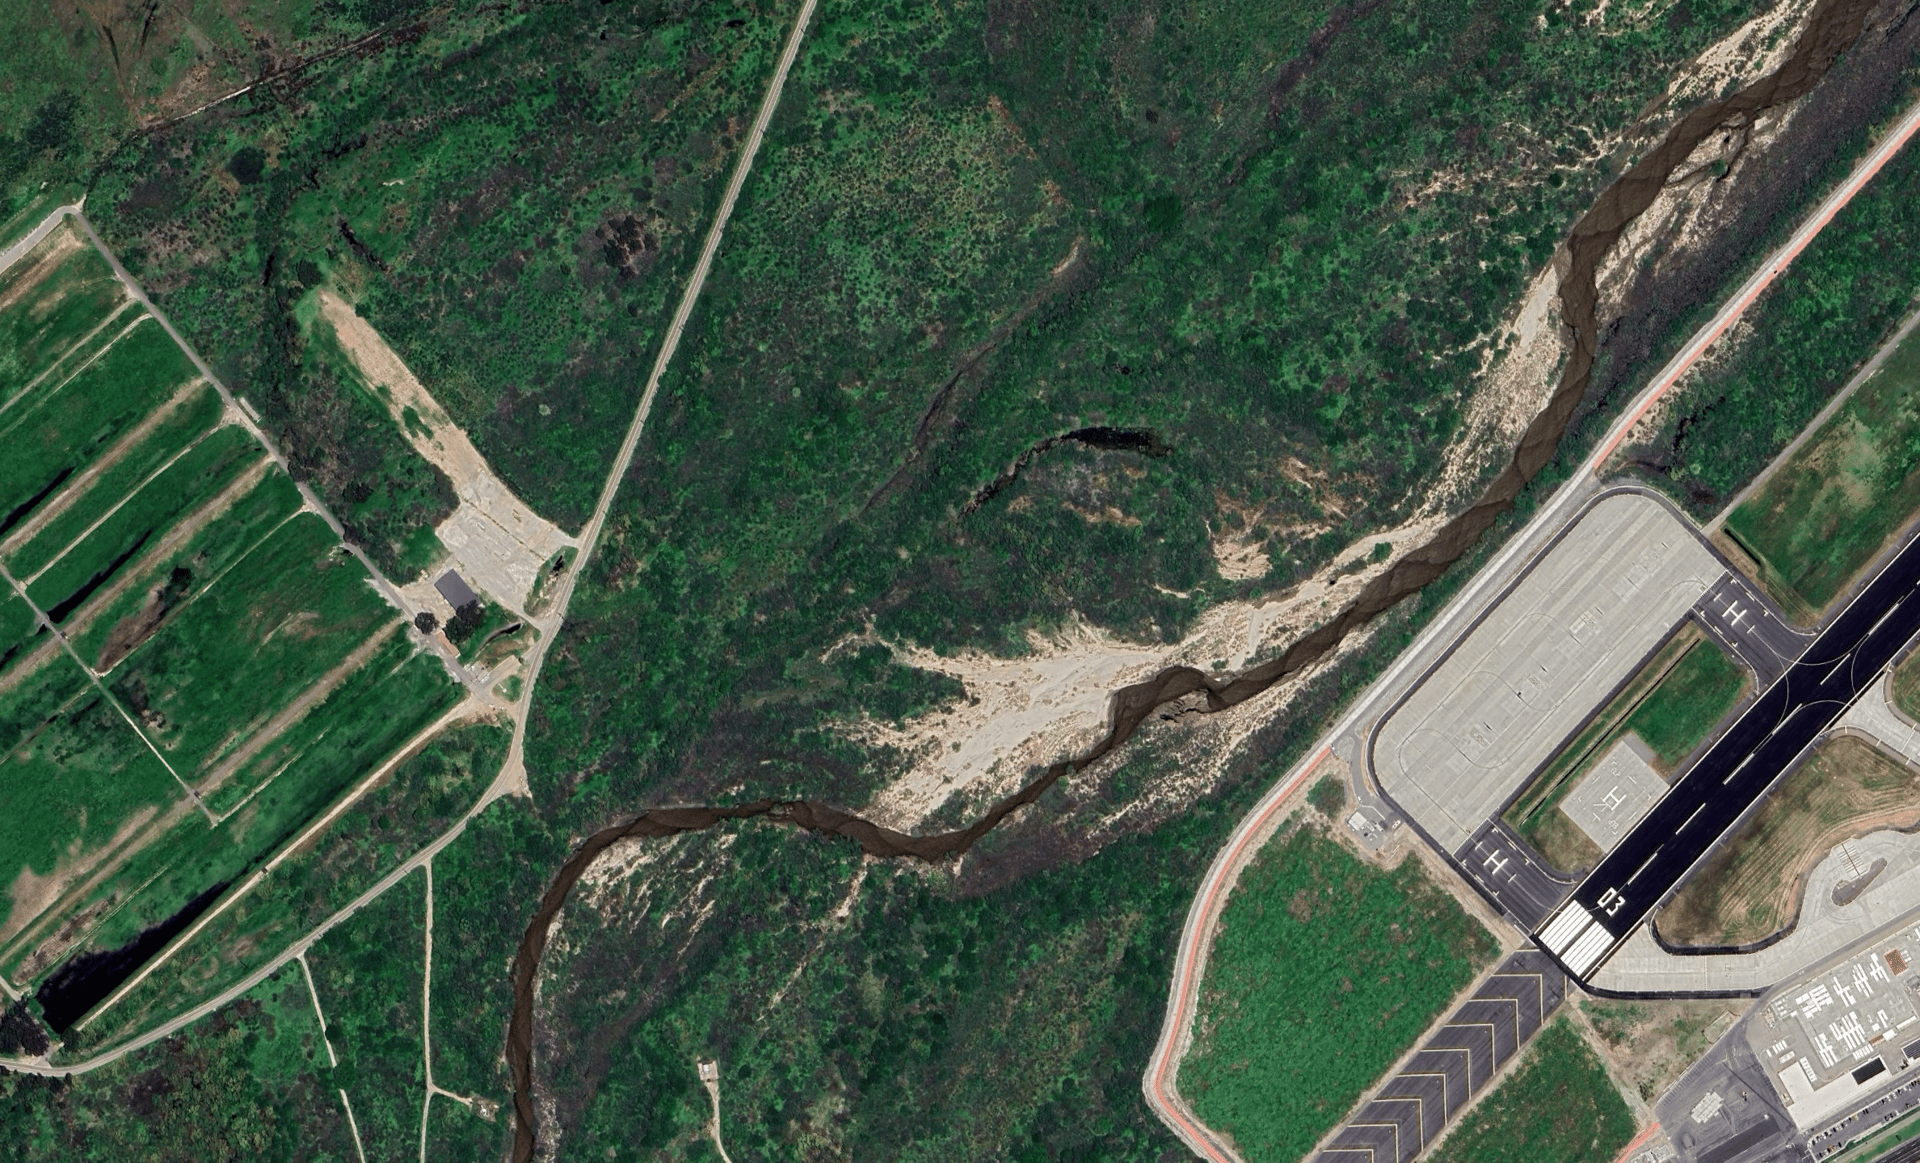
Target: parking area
(1523,680)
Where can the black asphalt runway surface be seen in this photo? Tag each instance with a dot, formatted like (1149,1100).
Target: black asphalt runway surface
(1755,751)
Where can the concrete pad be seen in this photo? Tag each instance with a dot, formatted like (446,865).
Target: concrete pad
(1824,928)
(1517,686)
(1611,798)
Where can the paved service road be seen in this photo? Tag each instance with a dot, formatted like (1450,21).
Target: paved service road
(1748,625)
(1502,867)
(1845,660)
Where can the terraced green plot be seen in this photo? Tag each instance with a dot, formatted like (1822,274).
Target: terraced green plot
(194,479)
(19,630)
(295,607)
(55,435)
(56,295)
(72,775)
(126,615)
(83,500)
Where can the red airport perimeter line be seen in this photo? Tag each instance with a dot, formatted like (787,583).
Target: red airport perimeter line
(1201,1134)
(1775,266)
(1864,173)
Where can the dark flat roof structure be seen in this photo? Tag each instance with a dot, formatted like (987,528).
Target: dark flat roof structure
(455,589)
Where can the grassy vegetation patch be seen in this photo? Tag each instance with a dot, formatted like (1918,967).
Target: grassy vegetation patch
(57,434)
(53,309)
(1689,702)
(387,700)
(181,423)
(1559,1106)
(249,1082)
(368,973)
(1679,696)
(20,632)
(1829,508)
(72,774)
(1652,1043)
(294,607)
(1325,970)
(114,625)
(1752,887)
(454,1131)
(420,800)
(143,520)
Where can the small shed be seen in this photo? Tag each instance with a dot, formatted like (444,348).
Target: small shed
(455,589)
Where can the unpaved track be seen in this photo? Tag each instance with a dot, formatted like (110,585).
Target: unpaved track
(1196,934)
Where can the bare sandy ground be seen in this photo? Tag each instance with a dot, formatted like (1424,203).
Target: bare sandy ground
(1052,702)
(496,541)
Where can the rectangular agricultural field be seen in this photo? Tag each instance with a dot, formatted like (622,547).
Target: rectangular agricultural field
(75,782)
(57,434)
(247,648)
(86,497)
(195,477)
(134,607)
(365,717)
(50,300)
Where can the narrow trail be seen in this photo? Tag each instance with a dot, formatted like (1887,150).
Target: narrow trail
(426,1017)
(326,1040)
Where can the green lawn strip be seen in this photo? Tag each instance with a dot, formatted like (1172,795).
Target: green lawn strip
(224,540)
(454,1131)
(395,694)
(291,609)
(1870,1146)
(59,433)
(47,322)
(368,973)
(422,798)
(1694,696)
(72,772)
(183,424)
(1906,686)
(20,631)
(1823,514)
(1326,969)
(249,1082)
(186,484)
(1535,805)
(1559,1106)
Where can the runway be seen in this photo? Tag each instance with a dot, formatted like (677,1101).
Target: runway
(1738,769)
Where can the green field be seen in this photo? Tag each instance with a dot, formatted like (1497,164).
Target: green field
(57,434)
(422,798)
(248,1083)
(289,611)
(1680,695)
(389,699)
(225,539)
(69,512)
(1558,1106)
(368,972)
(1696,694)
(1852,486)
(1325,970)
(51,316)
(64,584)
(19,631)
(72,772)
